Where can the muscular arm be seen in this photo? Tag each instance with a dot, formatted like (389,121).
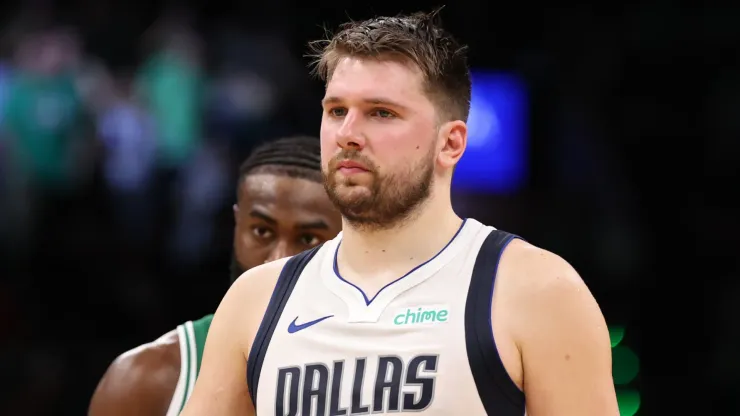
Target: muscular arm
(562,338)
(221,387)
(140,382)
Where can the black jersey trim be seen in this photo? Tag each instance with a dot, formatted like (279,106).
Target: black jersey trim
(280,295)
(497,391)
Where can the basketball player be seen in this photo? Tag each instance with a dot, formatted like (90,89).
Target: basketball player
(281,210)
(399,313)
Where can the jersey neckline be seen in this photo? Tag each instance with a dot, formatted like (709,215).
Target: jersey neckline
(365,309)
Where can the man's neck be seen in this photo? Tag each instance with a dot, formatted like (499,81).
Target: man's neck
(400,249)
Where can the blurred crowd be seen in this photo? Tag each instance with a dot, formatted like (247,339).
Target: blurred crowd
(167,123)
(116,183)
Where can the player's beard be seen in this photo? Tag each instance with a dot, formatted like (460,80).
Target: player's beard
(387,200)
(235,269)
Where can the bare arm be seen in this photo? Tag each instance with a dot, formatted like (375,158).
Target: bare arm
(139,382)
(221,387)
(563,340)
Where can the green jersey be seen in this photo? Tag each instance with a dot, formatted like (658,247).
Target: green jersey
(43,116)
(192,335)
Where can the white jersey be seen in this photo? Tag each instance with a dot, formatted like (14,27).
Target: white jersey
(422,344)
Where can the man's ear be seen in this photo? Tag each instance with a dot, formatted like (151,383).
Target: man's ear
(453,137)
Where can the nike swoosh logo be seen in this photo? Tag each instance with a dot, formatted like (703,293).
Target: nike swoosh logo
(293,328)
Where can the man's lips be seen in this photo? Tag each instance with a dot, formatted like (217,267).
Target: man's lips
(349,166)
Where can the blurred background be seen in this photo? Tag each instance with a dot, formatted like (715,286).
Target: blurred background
(608,135)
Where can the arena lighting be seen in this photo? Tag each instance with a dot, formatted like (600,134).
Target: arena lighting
(495,160)
(625,368)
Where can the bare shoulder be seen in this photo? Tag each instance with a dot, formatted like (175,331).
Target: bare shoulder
(259,281)
(531,268)
(220,387)
(141,380)
(556,328)
(242,308)
(248,297)
(540,285)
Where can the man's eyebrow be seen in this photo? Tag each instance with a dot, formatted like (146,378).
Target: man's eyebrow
(313,225)
(372,100)
(262,216)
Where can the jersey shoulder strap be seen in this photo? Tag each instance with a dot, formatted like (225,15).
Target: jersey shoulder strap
(285,284)
(186,380)
(498,393)
(192,339)
(200,332)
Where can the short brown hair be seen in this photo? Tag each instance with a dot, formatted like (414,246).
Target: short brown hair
(417,38)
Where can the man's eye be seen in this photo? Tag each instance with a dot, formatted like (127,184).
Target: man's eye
(262,232)
(337,112)
(309,240)
(382,113)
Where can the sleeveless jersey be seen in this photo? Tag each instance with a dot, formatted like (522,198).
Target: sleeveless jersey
(423,343)
(192,335)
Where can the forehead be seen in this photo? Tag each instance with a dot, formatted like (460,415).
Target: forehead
(356,78)
(283,195)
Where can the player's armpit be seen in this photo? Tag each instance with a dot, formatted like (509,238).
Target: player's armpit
(221,387)
(564,342)
(139,382)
